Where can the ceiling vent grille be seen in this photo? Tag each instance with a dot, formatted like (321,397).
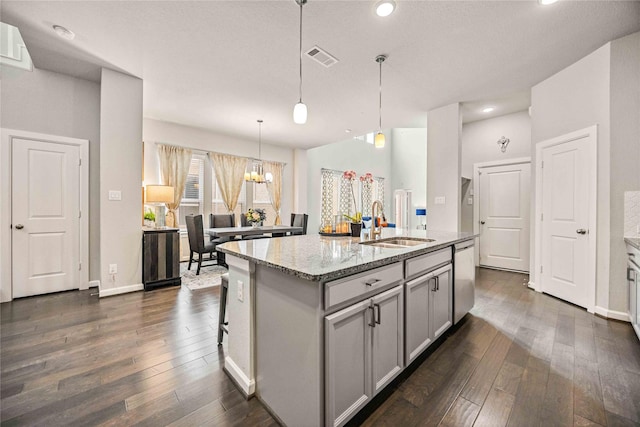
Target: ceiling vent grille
(322,56)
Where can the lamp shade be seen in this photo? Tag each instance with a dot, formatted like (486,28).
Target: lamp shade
(160,194)
(300,113)
(378,141)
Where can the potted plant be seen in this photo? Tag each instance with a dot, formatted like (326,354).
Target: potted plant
(356,219)
(255,217)
(149,218)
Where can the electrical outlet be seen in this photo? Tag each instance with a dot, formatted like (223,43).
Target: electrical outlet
(240,291)
(439,200)
(113,268)
(115,195)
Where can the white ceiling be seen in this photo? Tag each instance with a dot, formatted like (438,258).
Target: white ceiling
(221,65)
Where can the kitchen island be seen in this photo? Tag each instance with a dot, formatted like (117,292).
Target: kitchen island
(319,325)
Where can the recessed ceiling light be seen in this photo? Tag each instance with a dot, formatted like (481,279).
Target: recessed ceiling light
(488,109)
(546,2)
(347,130)
(63,32)
(385,7)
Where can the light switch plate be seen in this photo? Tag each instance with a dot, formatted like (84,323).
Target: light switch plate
(440,200)
(115,195)
(113,268)
(470,201)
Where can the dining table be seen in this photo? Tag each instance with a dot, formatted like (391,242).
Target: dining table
(274,230)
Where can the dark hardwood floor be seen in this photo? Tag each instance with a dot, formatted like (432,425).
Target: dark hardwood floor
(521,358)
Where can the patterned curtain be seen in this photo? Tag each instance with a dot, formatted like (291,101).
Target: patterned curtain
(174,166)
(275,188)
(229,176)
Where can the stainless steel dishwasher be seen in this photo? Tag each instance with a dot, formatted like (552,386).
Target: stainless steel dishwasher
(464,276)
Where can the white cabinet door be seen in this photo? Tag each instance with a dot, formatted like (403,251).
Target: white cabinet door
(418,331)
(441,302)
(388,359)
(348,362)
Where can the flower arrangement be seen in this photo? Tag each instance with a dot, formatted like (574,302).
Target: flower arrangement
(255,216)
(350,176)
(367,178)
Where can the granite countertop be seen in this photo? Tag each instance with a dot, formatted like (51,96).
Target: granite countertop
(633,241)
(320,258)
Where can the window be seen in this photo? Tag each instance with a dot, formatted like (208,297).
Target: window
(262,200)
(192,198)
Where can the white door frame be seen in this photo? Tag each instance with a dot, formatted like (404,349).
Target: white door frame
(6,142)
(591,133)
(476,194)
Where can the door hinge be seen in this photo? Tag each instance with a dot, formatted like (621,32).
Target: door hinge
(79,214)
(79,162)
(541,269)
(541,217)
(542,166)
(79,266)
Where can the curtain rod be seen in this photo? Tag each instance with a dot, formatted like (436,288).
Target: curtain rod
(200,151)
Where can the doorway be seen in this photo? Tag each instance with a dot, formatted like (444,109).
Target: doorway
(566,197)
(48,199)
(501,216)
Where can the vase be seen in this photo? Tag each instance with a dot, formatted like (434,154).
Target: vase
(356,229)
(255,224)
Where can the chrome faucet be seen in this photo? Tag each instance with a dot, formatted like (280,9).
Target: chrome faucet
(376,230)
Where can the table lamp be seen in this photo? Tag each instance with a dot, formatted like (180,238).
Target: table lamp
(422,212)
(159,195)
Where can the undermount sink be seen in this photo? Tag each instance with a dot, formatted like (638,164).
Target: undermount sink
(397,242)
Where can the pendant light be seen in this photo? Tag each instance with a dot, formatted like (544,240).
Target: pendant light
(257,172)
(378,141)
(300,109)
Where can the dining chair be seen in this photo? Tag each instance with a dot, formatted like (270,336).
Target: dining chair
(299,220)
(197,245)
(221,221)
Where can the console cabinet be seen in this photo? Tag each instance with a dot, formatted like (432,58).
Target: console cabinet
(161,257)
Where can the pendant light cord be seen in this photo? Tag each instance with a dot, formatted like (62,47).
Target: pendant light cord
(380,104)
(260,140)
(301,3)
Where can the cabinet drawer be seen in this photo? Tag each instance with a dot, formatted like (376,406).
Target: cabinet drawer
(358,286)
(420,264)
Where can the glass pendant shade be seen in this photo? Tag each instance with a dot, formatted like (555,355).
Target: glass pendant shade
(378,141)
(300,113)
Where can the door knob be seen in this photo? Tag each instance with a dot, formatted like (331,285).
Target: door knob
(482,222)
(19,226)
(581,231)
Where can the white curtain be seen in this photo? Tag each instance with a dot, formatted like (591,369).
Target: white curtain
(229,172)
(174,166)
(275,188)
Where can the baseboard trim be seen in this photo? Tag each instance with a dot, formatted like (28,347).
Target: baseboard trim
(246,386)
(94,283)
(611,314)
(121,290)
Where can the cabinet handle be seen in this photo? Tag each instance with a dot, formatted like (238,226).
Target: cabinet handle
(372,282)
(379,316)
(438,283)
(435,284)
(629,271)
(373,317)
(631,255)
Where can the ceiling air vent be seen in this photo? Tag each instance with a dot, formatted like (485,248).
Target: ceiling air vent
(321,56)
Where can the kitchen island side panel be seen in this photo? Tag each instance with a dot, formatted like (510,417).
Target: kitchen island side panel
(289,346)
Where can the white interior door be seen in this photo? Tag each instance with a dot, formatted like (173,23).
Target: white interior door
(504,216)
(45,191)
(565,221)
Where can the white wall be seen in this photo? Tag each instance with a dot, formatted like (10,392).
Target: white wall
(625,154)
(409,168)
(443,167)
(479,146)
(349,154)
(479,140)
(155,131)
(300,188)
(120,169)
(51,103)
